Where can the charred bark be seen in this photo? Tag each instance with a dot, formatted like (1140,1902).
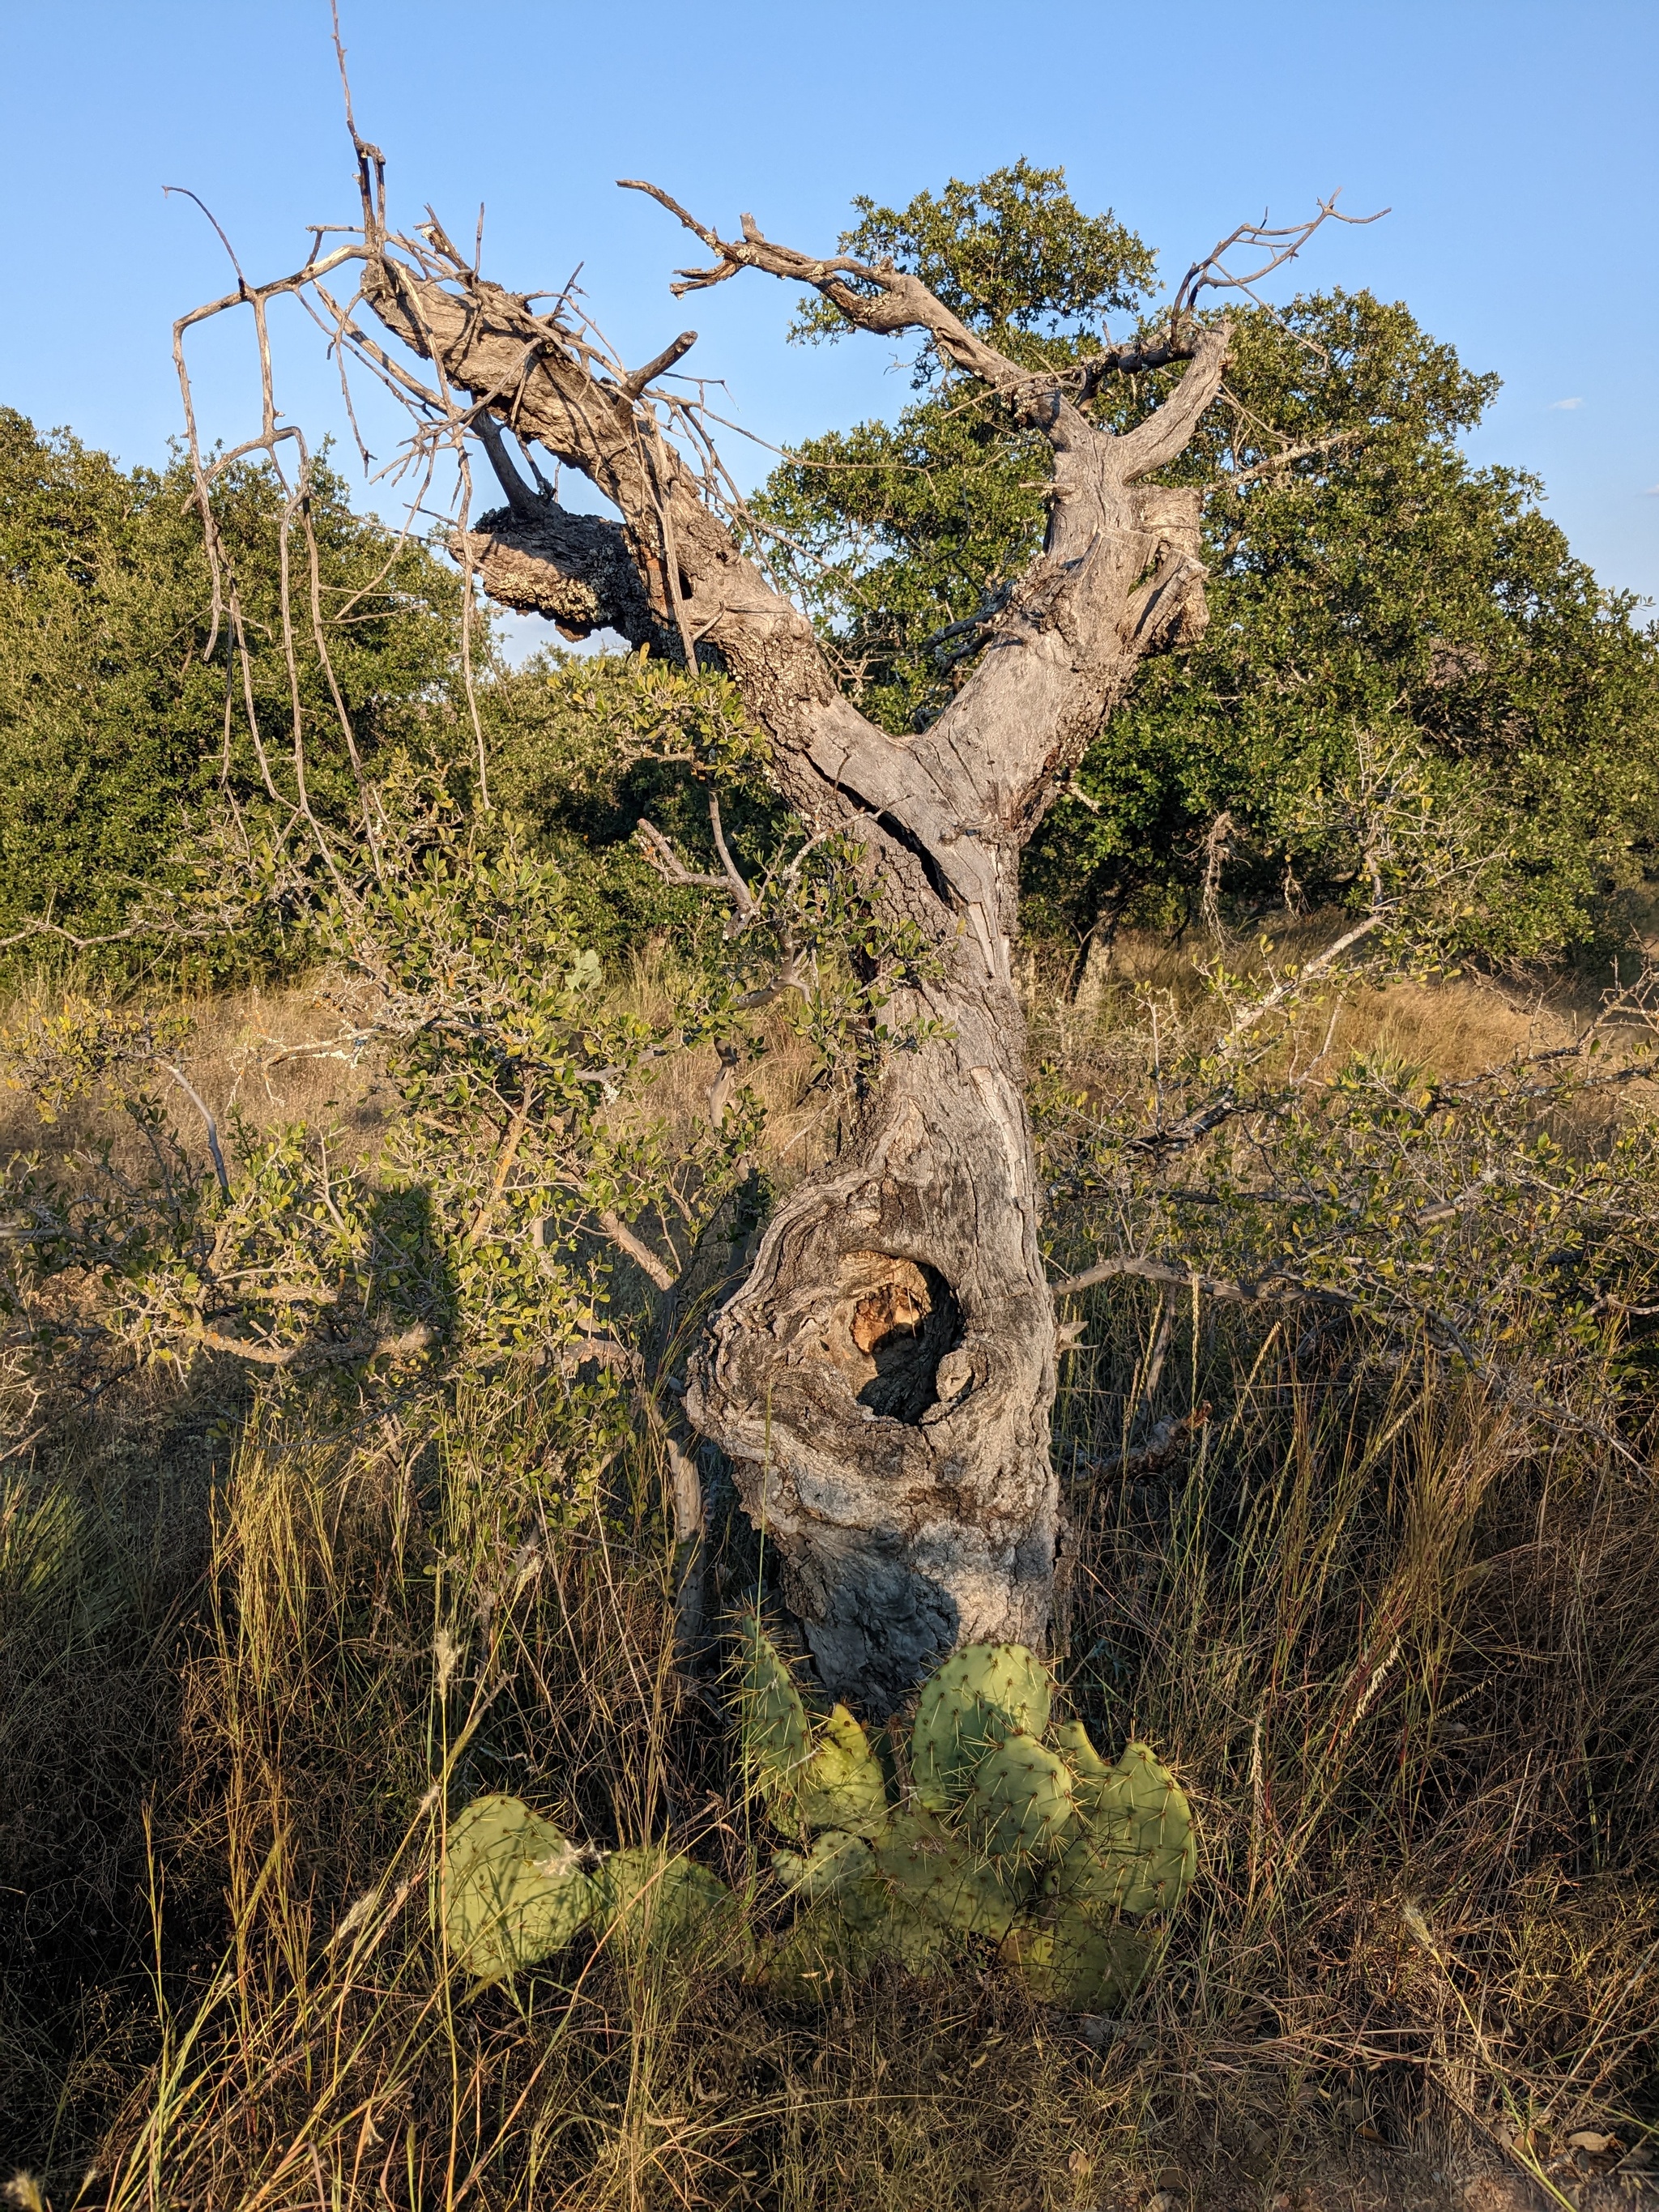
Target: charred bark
(572,570)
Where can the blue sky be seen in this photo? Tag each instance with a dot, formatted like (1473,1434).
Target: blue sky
(1516,145)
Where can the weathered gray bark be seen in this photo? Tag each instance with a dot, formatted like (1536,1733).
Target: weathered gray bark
(884,1378)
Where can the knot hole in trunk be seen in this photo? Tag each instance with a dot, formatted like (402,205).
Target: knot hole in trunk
(895,1321)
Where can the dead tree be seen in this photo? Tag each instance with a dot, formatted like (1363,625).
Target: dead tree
(883,1379)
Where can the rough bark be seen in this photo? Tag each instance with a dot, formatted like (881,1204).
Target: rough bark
(573,569)
(883,1380)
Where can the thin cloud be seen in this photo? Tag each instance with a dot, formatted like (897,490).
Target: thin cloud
(1563,407)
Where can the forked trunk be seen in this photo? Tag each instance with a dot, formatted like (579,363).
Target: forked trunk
(882,1380)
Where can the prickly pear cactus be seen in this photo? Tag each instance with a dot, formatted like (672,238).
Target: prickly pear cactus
(807,1778)
(661,1899)
(775,1733)
(978,1695)
(1040,1846)
(1011,1832)
(1135,1851)
(946,1875)
(853,1915)
(1022,1798)
(1066,1961)
(514,1891)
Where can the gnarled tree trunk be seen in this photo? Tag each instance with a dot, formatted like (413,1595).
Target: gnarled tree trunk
(883,1380)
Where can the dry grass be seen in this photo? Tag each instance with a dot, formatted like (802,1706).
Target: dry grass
(1457,1026)
(270,1056)
(1400,1654)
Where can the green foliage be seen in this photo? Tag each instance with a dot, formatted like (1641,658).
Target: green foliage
(1368,588)
(459,970)
(123,705)
(580,747)
(1377,592)
(234,1240)
(477,1238)
(530,1206)
(1506,1223)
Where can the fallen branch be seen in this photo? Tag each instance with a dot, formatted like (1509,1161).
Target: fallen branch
(640,1254)
(1270,1287)
(1166,1443)
(403,1346)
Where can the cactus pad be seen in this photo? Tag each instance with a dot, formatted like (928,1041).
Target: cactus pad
(938,1870)
(1070,1963)
(1089,1770)
(512,1889)
(861,1927)
(842,1785)
(836,1862)
(975,1698)
(1022,1797)
(807,1778)
(772,1726)
(660,1899)
(1135,1851)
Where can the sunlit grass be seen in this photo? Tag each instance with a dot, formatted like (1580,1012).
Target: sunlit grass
(1399,1651)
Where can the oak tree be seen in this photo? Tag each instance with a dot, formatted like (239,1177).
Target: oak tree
(883,1377)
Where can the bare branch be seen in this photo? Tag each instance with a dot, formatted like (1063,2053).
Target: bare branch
(1164,435)
(1276,461)
(523,502)
(403,1345)
(1247,1018)
(1269,1288)
(208,1121)
(1280,246)
(1165,1444)
(740,890)
(41,927)
(660,365)
(668,864)
(641,1255)
(892,300)
(510,1152)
